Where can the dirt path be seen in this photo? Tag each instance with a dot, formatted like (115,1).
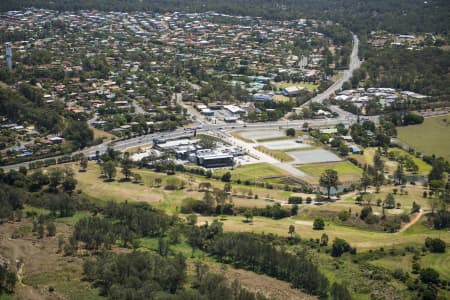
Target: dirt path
(412,222)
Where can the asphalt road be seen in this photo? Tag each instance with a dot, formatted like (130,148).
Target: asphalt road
(189,131)
(354,64)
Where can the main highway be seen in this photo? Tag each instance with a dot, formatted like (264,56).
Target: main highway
(205,127)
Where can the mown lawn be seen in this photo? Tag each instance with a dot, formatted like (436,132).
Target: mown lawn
(252,172)
(431,137)
(346,170)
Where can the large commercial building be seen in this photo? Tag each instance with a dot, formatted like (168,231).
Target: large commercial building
(215,160)
(186,149)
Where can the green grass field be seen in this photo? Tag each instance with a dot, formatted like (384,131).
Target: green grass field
(431,137)
(307,85)
(252,172)
(346,170)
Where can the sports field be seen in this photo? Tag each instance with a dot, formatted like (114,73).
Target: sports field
(253,172)
(431,137)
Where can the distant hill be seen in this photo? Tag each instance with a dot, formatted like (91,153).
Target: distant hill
(399,16)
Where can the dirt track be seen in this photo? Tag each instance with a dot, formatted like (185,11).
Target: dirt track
(412,222)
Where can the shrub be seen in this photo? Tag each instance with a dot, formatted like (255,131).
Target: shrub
(226,177)
(295,200)
(190,205)
(435,245)
(318,224)
(429,275)
(339,247)
(372,219)
(415,208)
(343,215)
(365,212)
(173,183)
(404,218)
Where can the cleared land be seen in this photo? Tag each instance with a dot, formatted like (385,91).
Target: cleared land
(262,134)
(43,267)
(431,137)
(259,283)
(314,156)
(307,85)
(102,134)
(346,170)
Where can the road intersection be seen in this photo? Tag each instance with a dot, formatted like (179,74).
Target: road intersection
(201,125)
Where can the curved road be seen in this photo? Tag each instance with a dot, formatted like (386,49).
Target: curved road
(354,64)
